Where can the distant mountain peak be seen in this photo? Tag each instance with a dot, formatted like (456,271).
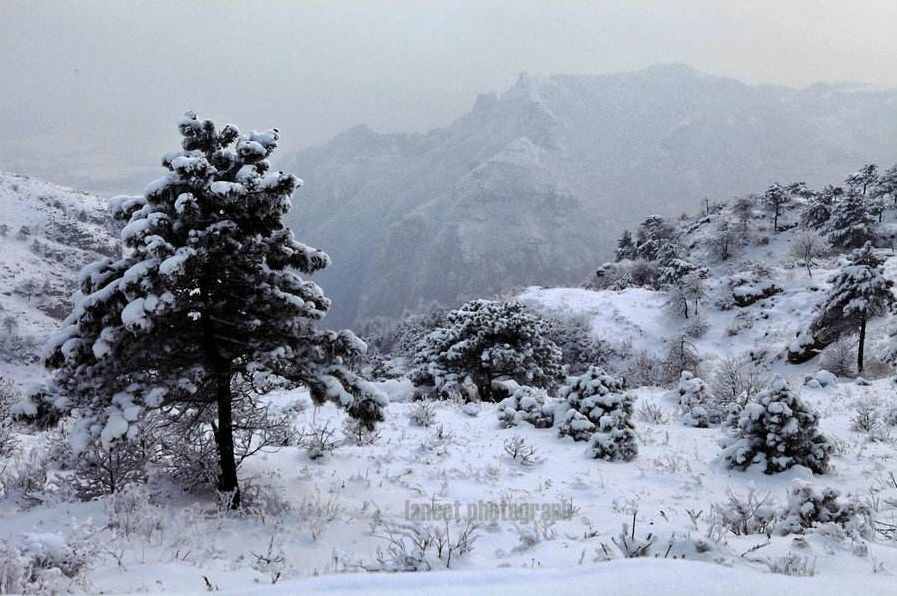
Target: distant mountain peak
(535,183)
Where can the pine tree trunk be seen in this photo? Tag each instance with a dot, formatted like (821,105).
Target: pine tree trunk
(862,343)
(224,439)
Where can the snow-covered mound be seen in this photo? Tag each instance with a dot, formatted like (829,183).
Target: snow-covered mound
(621,578)
(635,315)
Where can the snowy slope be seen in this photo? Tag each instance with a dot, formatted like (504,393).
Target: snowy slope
(641,320)
(38,270)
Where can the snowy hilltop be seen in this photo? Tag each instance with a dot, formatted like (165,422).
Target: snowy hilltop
(531,186)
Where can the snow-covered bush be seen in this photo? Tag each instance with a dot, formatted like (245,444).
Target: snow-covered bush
(699,408)
(601,411)
(576,425)
(44,563)
(526,404)
(37,408)
(809,506)
(777,430)
(486,340)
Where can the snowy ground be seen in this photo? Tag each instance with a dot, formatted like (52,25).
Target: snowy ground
(318,515)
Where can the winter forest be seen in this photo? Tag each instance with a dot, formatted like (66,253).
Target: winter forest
(632,332)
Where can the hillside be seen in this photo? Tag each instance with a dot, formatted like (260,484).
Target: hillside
(532,185)
(331,511)
(49,233)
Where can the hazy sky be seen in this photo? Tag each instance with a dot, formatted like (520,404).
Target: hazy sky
(91,90)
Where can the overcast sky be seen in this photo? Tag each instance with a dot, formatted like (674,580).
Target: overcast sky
(92,89)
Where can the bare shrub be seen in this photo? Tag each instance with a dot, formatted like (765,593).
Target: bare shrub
(422,413)
(521,451)
(645,371)
(632,546)
(751,513)
(681,356)
(866,418)
(101,470)
(737,380)
(652,413)
(317,514)
(358,432)
(420,547)
(840,357)
(792,564)
(9,395)
(318,440)
(129,513)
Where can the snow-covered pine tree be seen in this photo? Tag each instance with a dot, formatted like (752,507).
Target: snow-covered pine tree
(858,293)
(700,408)
(743,210)
(651,234)
(671,267)
(851,224)
(799,189)
(486,340)
(681,278)
(886,186)
(862,180)
(777,430)
(723,240)
(774,200)
(207,289)
(625,247)
(818,209)
(600,410)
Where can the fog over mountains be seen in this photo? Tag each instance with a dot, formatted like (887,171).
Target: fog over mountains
(533,185)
